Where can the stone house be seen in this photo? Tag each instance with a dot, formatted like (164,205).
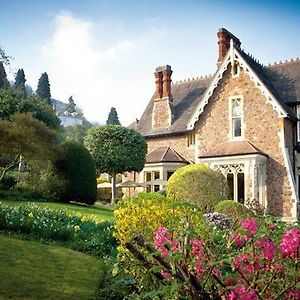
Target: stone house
(243,121)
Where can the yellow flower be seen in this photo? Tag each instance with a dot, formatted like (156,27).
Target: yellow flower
(30,215)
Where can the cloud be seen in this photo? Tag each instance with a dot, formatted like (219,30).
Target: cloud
(100,65)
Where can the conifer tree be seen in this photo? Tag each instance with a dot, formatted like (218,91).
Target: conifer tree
(3,77)
(71,106)
(113,118)
(20,81)
(43,89)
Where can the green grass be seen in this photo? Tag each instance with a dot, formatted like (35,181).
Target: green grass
(94,212)
(31,270)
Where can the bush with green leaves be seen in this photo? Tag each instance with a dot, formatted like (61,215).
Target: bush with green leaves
(198,184)
(234,210)
(77,168)
(46,224)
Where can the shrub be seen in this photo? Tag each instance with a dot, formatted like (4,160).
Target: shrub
(8,182)
(144,213)
(46,224)
(247,263)
(198,184)
(77,168)
(234,210)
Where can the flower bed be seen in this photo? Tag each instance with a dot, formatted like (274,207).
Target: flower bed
(45,224)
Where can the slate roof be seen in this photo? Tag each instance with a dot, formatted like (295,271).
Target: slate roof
(233,148)
(165,154)
(282,80)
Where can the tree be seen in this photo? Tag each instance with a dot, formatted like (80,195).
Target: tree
(78,170)
(113,118)
(116,149)
(3,77)
(77,132)
(26,136)
(71,106)
(20,81)
(43,89)
(12,102)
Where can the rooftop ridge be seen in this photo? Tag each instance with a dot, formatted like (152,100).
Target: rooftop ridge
(287,61)
(164,155)
(182,81)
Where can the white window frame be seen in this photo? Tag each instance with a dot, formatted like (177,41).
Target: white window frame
(231,133)
(298,123)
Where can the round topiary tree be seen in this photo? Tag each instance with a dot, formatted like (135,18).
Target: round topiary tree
(198,184)
(78,170)
(116,149)
(234,210)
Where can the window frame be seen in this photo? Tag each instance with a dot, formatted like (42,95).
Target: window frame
(231,118)
(191,138)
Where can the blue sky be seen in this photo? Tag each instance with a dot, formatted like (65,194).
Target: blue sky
(104,52)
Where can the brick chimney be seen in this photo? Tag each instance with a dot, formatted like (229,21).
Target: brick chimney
(224,37)
(162,109)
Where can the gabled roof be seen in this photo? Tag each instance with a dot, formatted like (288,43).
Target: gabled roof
(186,96)
(280,83)
(165,154)
(233,148)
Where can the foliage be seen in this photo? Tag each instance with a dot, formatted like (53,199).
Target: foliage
(46,224)
(71,106)
(26,136)
(20,81)
(77,132)
(113,118)
(197,184)
(250,263)
(113,287)
(43,89)
(234,210)
(218,220)
(16,102)
(8,182)
(116,149)
(77,168)
(40,110)
(146,212)
(3,77)
(32,270)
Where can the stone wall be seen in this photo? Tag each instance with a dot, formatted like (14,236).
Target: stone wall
(177,142)
(262,127)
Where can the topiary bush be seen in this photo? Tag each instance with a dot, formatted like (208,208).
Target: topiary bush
(234,210)
(199,185)
(77,168)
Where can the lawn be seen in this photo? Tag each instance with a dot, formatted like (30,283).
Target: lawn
(95,212)
(31,270)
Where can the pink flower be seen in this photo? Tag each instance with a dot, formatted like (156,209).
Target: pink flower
(238,240)
(197,246)
(271,226)
(249,225)
(165,274)
(293,294)
(164,243)
(269,249)
(290,243)
(241,293)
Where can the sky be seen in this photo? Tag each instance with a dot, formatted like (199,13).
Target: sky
(104,52)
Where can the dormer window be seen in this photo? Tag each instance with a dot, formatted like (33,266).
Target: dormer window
(236,122)
(191,138)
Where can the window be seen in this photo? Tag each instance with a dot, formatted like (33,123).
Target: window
(191,138)
(236,117)
(149,176)
(169,174)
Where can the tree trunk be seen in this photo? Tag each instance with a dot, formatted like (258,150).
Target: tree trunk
(113,188)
